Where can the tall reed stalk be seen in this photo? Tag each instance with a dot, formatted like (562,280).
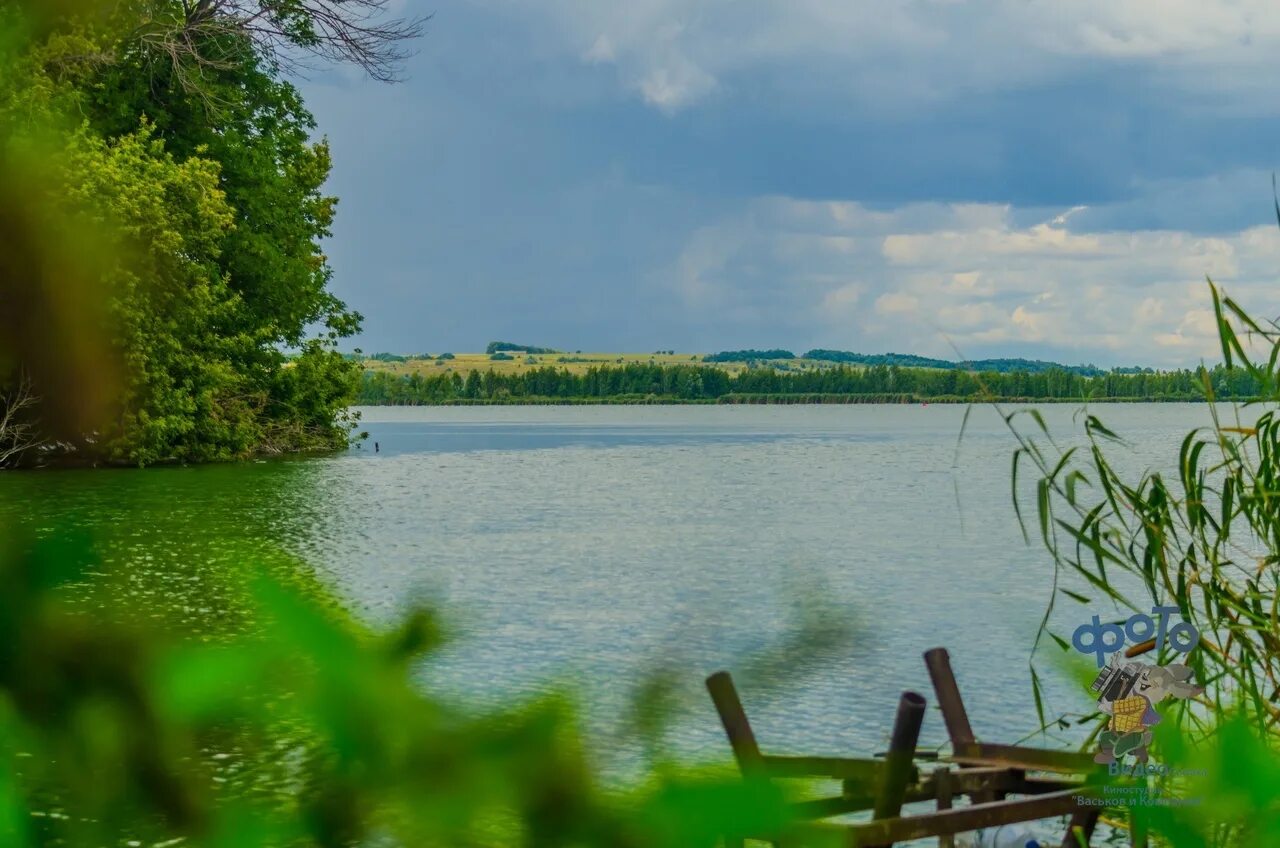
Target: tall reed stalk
(1205,539)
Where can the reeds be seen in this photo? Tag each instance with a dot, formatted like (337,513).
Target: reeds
(1204,537)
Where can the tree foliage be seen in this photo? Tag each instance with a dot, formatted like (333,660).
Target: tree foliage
(909,360)
(310,730)
(363,33)
(879,383)
(512,347)
(214,211)
(748,355)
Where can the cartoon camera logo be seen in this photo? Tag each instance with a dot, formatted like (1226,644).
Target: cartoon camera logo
(1127,690)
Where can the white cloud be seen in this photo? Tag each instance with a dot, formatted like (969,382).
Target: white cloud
(925,277)
(521,149)
(843,298)
(1196,326)
(897,53)
(600,51)
(674,86)
(892,303)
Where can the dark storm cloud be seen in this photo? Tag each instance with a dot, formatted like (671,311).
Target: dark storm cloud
(640,178)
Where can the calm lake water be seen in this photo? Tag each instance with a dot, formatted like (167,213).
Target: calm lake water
(586,547)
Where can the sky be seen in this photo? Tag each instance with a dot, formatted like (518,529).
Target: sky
(1043,178)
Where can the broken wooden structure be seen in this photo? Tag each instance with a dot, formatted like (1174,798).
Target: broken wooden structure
(1005,784)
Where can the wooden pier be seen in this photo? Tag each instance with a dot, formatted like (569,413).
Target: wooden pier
(1004,784)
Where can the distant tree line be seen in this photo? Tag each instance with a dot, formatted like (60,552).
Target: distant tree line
(359,356)
(748,355)
(387,357)
(908,360)
(500,347)
(690,383)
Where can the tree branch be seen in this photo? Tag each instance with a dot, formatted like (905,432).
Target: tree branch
(19,432)
(357,32)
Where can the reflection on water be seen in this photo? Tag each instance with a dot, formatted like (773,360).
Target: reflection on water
(176,544)
(587,545)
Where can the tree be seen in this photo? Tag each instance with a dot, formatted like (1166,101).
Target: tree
(229,362)
(191,36)
(171,308)
(272,174)
(472,386)
(18,430)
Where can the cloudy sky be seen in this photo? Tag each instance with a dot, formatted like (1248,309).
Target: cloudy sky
(1045,178)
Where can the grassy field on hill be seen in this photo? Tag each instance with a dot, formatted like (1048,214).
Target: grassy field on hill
(575,363)
(689,378)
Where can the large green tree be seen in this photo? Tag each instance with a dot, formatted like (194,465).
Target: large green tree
(255,126)
(201,157)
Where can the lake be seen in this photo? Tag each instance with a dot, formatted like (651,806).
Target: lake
(816,551)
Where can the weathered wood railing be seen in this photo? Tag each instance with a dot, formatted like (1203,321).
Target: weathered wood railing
(987,774)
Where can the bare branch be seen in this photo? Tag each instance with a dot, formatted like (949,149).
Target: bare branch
(358,32)
(19,431)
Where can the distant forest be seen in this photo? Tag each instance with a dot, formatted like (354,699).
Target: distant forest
(840,384)
(904,360)
(908,360)
(748,355)
(510,347)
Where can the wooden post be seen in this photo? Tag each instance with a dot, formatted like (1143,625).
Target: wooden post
(899,760)
(938,661)
(944,686)
(942,780)
(741,739)
(1137,830)
(1085,819)
(736,726)
(1138,827)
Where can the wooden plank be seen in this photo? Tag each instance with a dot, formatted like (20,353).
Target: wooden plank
(924,791)
(825,808)
(1042,785)
(1030,759)
(973,817)
(868,772)
(858,798)
(967,781)
(963,783)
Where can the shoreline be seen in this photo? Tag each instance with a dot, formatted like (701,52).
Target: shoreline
(793,400)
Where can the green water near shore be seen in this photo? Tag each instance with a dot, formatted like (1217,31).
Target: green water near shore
(583,547)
